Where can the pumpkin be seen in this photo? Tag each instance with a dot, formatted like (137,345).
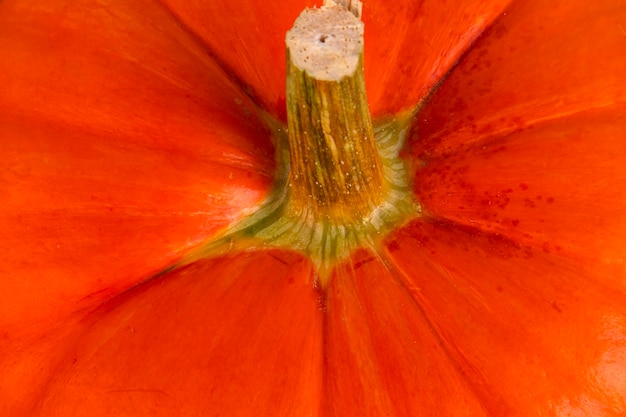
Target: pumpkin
(133,132)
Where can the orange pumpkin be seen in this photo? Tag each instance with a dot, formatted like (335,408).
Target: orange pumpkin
(131,133)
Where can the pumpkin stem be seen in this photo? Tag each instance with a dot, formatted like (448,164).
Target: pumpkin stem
(336,169)
(341,184)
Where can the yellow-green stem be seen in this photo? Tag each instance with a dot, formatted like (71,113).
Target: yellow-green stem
(336,169)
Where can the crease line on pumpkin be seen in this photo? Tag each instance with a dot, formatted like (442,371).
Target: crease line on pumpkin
(530,244)
(435,86)
(493,137)
(610,113)
(445,343)
(567,258)
(347,271)
(523,330)
(245,88)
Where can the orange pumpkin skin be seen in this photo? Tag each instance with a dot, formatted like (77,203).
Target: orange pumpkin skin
(131,134)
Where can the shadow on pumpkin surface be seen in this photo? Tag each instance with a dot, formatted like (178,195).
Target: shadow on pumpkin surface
(131,133)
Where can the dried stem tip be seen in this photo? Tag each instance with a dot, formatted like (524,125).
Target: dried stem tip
(326,43)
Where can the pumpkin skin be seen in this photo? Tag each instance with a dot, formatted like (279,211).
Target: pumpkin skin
(130,135)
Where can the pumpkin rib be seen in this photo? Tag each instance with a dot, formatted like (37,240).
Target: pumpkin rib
(74,204)
(225,153)
(591,276)
(185,94)
(432,90)
(523,70)
(168,345)
(427,32)
(481,139)
(516,187)
(474,379)
(234,77)
(381,361)
(250,45)
(498,304)
(473,382)
(112,119)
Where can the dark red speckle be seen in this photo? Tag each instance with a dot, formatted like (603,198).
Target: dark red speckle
(363,262)
(393,246)
(529,203)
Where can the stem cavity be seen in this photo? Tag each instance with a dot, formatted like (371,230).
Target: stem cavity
(340,183)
